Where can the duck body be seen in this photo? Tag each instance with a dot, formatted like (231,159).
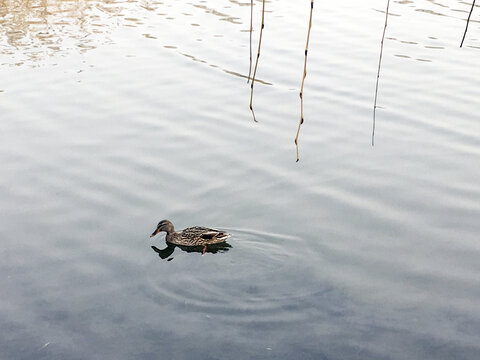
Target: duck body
(197,236)
(192,236)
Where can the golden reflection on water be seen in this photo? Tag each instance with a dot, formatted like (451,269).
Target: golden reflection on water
(34,29)
(221,15)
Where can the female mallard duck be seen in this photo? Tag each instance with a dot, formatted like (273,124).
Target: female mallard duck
(192,236)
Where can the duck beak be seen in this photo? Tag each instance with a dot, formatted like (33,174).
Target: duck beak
(155,233)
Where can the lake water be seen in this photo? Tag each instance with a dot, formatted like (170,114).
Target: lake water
(118,114)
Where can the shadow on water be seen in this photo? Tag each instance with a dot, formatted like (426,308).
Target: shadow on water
(211,249)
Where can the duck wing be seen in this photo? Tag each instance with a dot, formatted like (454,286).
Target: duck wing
(208,235)
(215,235)
(195,231)
(200,235)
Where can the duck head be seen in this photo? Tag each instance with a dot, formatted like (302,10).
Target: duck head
(164,225)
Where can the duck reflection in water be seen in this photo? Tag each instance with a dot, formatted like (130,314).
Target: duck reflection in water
(193,239)
(213,249)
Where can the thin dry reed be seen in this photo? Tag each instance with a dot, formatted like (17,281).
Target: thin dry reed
(378,72)
(303,78)
(251,30)
(468,21)
(256,62)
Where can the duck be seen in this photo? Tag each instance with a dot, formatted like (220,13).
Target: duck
(195,236)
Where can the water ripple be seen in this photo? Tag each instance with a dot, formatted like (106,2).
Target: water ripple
(269,272)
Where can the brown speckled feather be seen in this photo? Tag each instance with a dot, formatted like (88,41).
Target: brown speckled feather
(197,236)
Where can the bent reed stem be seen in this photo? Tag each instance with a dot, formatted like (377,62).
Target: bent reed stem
(251,30)
(378,73)
(468,21)
(303,78)
(256,62)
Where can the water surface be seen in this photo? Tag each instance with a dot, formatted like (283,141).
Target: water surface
(117,114)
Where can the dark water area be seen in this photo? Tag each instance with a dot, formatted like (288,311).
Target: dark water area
(118,114)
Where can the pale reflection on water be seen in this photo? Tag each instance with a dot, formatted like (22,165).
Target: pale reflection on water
(33,30)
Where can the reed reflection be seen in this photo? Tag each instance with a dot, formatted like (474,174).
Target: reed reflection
(212,249)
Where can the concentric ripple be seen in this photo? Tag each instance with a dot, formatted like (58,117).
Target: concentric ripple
(271,272)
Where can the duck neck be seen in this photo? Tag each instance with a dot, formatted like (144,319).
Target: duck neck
(170,230)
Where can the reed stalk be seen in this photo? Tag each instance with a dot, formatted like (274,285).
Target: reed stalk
(256,62)
(378,72)
(303,78)
(251,30)
(468,21)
